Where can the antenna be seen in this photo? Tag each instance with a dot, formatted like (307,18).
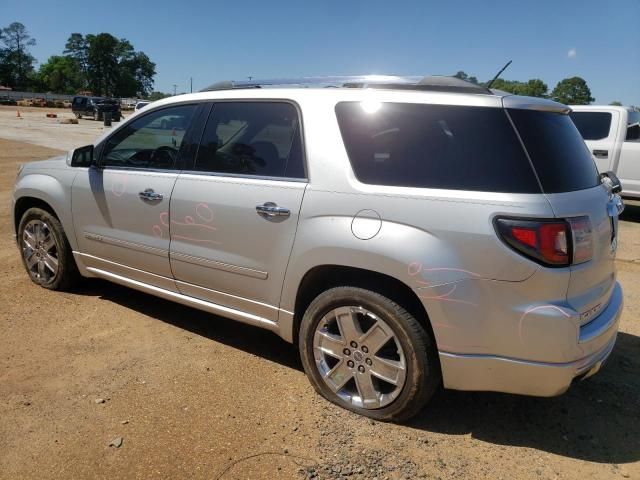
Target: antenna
(498,74)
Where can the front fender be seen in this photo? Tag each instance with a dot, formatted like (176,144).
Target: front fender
(54,191)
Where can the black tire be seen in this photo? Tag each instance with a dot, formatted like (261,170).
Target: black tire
(423,375)
(67,274)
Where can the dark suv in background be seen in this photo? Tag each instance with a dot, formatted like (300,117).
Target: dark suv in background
(95,107)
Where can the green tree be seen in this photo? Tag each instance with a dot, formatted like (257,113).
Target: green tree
(157,96)
(111,66)
(78,49)
(60,75)
(463,76)
(532,88)
(572,91)
(616,103)
(16,63)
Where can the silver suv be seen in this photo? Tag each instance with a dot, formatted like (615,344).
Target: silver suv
(404,233)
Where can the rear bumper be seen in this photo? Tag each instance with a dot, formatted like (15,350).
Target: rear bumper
(511,375)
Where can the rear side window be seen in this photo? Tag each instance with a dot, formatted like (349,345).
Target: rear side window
(592,125)
(434,146)
(252,138)
(558,152)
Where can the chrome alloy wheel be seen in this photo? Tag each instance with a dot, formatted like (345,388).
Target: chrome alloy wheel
(40,251)
(359,357)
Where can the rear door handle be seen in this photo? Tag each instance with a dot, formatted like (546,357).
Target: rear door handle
(150,195)
(270,209)
(601,153)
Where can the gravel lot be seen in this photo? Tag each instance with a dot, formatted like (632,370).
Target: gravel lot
(191,395)
(34,127)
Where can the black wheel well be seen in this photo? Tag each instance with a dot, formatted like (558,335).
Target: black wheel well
(25,203)
(324,277)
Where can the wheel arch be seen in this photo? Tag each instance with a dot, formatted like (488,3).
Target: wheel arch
(323,277)
(25,203)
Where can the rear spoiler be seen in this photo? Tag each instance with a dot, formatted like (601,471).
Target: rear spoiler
(534,103)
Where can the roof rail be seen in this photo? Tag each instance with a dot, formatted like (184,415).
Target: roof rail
(438,83)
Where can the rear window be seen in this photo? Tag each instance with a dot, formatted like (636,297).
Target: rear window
(434,146)
(592,125)
(558,152)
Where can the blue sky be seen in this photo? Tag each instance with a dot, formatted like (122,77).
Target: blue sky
(598,40)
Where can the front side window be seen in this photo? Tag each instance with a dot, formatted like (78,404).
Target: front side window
(592,125)
(252,138)
(434,146)
(633,127)
(151,141)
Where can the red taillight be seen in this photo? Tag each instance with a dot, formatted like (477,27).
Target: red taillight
(556,243)
(526,236)
(553,242)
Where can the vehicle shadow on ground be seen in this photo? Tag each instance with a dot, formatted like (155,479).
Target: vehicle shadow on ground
(248,338)
(631,211)
(596,420)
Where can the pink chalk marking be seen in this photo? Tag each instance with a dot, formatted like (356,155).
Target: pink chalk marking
(164,218)
(533,309)
(417,266)
(452,270)
(157,231)
(204,212)
(119,185)
(445,297)
(187,224)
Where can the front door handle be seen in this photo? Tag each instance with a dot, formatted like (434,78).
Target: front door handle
(150,195)
(270,209)
(601,153)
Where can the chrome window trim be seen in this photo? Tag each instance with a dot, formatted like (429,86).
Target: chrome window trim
(242,175)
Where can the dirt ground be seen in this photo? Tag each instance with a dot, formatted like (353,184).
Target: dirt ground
(34,127)
(197,396)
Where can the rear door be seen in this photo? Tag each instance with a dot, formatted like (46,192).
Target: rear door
(571,184)
(599,131)
(234,215)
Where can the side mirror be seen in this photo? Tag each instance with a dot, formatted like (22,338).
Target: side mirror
(612,180)
(82,156)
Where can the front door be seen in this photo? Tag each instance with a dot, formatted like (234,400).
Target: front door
(234,216)
(121,206)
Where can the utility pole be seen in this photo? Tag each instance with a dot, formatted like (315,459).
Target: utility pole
(191,84)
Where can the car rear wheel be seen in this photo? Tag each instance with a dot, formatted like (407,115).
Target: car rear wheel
(46,253)
(366,353)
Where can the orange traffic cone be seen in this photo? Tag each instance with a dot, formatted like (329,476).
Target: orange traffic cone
(18,113)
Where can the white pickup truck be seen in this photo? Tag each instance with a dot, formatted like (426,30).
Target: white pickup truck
(612,135)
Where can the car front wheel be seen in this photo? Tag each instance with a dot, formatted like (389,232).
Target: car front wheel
(46,253)
(366,353)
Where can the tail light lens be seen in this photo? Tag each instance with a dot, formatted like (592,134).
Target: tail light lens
(554,243)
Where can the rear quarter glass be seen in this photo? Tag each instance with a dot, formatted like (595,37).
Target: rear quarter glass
(435,146)
(557,151)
